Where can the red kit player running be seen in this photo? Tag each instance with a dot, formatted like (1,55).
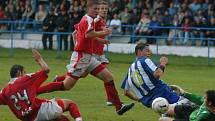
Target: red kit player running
(82,59)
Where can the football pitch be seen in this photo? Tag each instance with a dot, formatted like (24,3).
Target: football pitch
(193,74)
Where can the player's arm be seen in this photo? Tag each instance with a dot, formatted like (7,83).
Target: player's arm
(38,58)
(130,95)
(74,36)
(1,99)
(194,98)
(93,34)
(127,92)
(160,70)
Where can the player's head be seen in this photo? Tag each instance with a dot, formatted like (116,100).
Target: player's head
(103,8)
(210,99)
(142,49)
(92,8)
(16,71)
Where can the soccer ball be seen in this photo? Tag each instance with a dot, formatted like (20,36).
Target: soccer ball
(160,105)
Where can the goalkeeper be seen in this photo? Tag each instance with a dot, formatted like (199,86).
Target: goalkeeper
(202,110)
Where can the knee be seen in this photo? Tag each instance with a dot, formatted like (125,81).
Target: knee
(108,77)
(66,88)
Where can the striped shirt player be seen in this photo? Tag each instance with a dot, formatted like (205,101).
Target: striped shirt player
(142,81)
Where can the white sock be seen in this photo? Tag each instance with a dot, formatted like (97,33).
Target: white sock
(78,119)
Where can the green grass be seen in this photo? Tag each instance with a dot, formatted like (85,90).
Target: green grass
(192,74)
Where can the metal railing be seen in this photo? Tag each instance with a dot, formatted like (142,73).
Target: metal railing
(34,30)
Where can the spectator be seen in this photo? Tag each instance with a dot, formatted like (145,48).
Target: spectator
(1,13)
(63,26)
(197,32)
(186,31)
(49,24)
(172,9)
(174,33)
(166,23)
(200,16)
(40,14)
(161,8)
(140,7)
(210,33)
(133,20)
(27,16)
(153,30)
(194,6)
(115,24)
(113,10)
(1,16)
(124,17)
(141,28)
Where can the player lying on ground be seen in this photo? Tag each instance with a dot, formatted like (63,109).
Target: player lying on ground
(20,94)
(143,78)
(83,61)
(202,110)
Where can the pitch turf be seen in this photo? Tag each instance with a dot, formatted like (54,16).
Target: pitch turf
(192,74)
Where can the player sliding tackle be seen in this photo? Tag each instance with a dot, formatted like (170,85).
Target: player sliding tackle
(143,78)
(82,59)
(20,95)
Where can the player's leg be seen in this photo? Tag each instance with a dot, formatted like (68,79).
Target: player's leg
(109,101)
(44,40)
(71,106)
(76,68)
(67,84)
(103,73)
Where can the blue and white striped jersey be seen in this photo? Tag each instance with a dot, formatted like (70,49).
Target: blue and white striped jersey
(140,77)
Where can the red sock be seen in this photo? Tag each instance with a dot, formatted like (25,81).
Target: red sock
(111,90)
(60,78)
(74,111)
(107,94)
(50,87)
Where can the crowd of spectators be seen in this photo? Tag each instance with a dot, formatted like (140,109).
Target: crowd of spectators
(185,15)
(133,17)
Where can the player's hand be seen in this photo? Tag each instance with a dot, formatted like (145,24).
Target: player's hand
(177,89)
(106,42)
(36,55)
(107,31)
(163,60)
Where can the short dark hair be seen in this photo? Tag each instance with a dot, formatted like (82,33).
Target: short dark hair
(90,3)
(15,69)
(140,46)
(211,97)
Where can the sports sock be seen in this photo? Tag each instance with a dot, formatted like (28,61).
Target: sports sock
(51,87)
(74,111)
(107,94)
(111,90)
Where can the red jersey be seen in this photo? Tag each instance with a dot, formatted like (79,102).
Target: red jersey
(84,44)
(20,95)
(98,48)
